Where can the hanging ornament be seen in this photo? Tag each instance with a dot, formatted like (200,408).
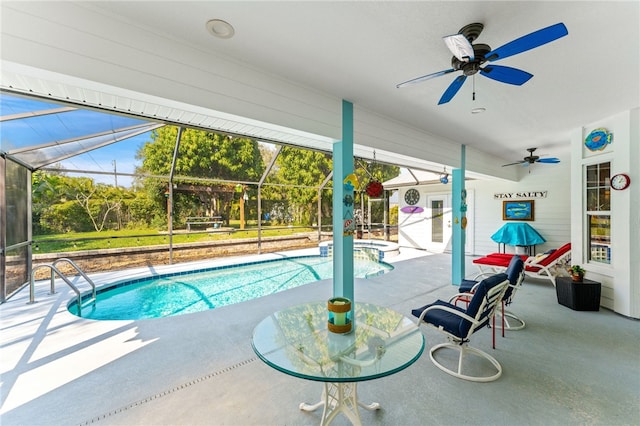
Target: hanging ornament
(444,177)
(374,189)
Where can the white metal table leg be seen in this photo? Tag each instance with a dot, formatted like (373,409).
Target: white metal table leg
(340,398)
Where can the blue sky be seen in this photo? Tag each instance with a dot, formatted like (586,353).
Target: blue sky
(122,153)
(60,127)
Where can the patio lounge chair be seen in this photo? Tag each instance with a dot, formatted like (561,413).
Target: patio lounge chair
(540,266)
(515,274)
(458,324)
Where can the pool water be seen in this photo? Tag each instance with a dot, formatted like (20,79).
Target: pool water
(195,291)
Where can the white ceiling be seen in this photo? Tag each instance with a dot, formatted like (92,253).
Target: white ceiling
(360,50)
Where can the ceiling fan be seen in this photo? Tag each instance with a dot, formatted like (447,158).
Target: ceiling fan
(470,58)
(530,159)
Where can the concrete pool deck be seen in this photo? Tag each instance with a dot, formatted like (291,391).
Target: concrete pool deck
(565,367)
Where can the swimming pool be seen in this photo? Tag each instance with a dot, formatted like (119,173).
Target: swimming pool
(198,290)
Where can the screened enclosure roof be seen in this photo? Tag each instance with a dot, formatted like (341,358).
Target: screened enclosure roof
(416,177)
(38,133)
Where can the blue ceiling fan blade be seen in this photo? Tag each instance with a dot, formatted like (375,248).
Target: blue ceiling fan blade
(452,89)
(551,160)
(523,163)
(507,75)
(424,78)
(528,42)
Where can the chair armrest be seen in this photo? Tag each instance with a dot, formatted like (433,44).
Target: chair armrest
(483,274)
(446,309)
(530,261)
(458,295)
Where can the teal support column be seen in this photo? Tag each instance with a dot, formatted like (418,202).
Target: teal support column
(343,222)
(459,214)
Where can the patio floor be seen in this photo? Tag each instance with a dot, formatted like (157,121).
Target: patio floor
(565,368)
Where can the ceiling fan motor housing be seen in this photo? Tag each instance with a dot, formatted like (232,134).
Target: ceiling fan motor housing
(472,67)
(471,31)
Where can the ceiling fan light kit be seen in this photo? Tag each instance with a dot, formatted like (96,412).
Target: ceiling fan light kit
(470,58)
(460,47)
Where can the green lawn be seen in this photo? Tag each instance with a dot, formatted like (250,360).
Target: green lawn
(75,241)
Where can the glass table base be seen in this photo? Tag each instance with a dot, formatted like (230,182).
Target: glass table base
(340,398)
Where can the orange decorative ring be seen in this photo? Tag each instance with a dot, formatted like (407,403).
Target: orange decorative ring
(339,315)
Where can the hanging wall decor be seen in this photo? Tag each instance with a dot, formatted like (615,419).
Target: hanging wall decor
(598,139)
(518,210)
(349,225)
(412,209)
(350,182)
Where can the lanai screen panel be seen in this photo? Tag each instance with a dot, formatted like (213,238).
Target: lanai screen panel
(39,133)
(16,223)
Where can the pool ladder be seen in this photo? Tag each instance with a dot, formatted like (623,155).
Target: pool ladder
(55,270)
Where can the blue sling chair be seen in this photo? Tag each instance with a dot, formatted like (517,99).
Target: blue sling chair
(515,273)
(458,324)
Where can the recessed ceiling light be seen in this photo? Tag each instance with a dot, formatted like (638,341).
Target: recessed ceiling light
(220,28)
(478,110)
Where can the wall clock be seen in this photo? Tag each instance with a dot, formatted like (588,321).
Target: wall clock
(619,182)
(412,197)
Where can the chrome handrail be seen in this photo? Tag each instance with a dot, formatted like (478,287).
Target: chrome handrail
(55,270)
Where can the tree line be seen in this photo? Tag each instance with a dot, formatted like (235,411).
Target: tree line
(205,165)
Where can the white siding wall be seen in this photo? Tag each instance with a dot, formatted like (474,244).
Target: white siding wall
(552,214)
(621,279)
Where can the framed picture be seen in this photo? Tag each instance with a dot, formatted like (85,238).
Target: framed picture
(518,210)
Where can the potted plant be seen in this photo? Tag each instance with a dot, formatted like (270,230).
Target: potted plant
(577,272)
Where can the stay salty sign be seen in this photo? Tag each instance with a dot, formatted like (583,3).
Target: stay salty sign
(523,194)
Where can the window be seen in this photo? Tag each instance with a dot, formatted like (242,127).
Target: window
(437,221)
(598,213)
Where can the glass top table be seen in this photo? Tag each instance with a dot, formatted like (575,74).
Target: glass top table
(296,341)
